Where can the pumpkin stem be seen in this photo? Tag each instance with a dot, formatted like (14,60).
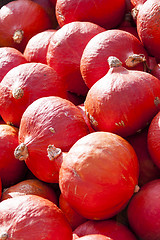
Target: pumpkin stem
(114,62)
(21,152)
(18,36)
(4,236)
(134,13)
(135,59)
(53,152)
(136,189)
(18,93)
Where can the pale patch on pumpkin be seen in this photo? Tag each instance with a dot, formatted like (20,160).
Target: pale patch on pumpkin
(4,236)
(156,101)
(21,152)
(53,152)
(92,121)
(18,93)
(52,129)
(120,124)
(18,36)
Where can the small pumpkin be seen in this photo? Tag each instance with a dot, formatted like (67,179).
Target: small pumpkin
(11,169)
(148,27)
(49,126)
(65,50)
(32,217)
(30,186)
(37,47)
(105,13)
(94,65)
(21,20)
(24,84)
(123,101)
(110,228)
(10,58)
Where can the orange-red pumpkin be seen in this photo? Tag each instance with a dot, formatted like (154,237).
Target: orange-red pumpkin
(99,174)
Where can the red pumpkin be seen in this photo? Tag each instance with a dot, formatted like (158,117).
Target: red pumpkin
(10,58)
(49,7)
(123,101)
(109,228)
(144,211)
(83,177)
(148,171)
(153,139)
(32,217)
(11,169)
(156,71)
(24,84)
(49,125)
(65,51)
(21,20)
(105,13)
(74,218)
(148,27)
(30,186)
(37,46)
(94,64)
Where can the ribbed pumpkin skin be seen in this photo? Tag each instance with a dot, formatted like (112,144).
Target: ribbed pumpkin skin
(50,121)
(9,58)
(123,101)
(24,84)
(27,16)
(148,27)
(105,13)
(32,217)
(98,175)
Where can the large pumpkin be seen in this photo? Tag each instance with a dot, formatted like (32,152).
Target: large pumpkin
(49,126)
(21,20)
(99,175)
(115,42)
(123,101)
(24,84)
